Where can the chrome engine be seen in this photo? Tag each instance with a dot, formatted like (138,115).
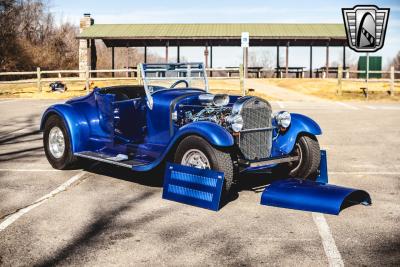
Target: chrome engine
(254,139)
(217,115)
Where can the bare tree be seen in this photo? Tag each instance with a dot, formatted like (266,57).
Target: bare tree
(30,38)
(10,49)
(396,64)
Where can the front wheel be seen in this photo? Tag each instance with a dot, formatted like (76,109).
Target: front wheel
(196,152)
(57,145)
(308,150)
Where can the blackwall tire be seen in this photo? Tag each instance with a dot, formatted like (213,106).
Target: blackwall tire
(66,160)
(218,159)
(308,149)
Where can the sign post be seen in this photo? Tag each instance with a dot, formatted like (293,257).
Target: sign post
(245,40)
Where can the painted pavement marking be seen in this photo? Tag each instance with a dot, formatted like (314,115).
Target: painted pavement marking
(8,101)
(30,170)
(280,104)
(366,173)
(348,106)
(15,216)
(331,251)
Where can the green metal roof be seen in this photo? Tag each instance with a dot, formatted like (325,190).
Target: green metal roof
(203,31)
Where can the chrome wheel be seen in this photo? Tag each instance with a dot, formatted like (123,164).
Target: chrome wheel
(56,142)
(195,158)
(299,153)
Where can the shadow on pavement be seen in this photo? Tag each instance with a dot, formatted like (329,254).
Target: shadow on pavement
(29,153)
(104,225)
(152,178)
(255,182)
(23,131)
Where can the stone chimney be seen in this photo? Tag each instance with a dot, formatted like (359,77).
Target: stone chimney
(87,49)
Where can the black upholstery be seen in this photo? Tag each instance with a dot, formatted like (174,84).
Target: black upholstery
(124,92)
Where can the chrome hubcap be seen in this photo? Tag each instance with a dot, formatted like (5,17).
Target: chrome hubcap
(298,153)
(56,142)
(195,158)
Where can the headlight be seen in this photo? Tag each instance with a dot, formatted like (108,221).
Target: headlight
(283,119)
(236,122)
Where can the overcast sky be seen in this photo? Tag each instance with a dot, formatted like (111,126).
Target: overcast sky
(232,11)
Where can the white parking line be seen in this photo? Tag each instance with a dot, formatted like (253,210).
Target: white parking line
(50,104)
(280,104)
(331,251)
(347,105)
(15,216)
(383,107)
(389,108)
(29,170)
(8,101)
(366,173)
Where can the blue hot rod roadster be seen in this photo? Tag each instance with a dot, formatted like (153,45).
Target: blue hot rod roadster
(171,116)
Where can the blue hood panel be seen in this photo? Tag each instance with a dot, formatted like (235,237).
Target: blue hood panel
(312,196)
(196,187)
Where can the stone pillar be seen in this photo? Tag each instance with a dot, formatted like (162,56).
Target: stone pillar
(85,51)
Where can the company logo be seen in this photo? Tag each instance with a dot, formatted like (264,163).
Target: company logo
(365,27)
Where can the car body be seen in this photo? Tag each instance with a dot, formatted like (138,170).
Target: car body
(140,127)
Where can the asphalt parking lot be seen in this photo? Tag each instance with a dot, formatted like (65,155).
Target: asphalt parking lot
(107,215)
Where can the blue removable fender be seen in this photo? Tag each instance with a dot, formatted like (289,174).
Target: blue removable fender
(300,124)
(197,187)
(212,132)
(323,168)
(316,196)
(76,124)
(312,196)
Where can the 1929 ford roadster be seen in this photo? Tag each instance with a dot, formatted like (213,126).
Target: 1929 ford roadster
(140,127)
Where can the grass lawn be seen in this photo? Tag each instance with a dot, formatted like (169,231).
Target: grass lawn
(327,88)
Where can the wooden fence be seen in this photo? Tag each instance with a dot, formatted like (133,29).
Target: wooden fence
(88,76)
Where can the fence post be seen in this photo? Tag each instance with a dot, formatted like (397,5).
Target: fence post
(87,85)
(340,76)
(39,80)
(138,74)
(392,80)
(241,74)
(347,74)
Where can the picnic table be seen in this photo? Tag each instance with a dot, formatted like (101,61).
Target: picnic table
(299,71)
(129,74)
(322,70)
(254,70)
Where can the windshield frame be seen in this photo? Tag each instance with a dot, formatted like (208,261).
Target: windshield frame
(188,68)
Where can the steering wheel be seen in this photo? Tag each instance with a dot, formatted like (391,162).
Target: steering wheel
(178,82)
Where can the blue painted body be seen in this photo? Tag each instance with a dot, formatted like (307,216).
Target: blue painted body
(318,196)
(312,196)
(323,168)
(106,122)
(196,187)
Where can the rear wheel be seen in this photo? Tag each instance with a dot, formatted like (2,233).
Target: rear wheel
(196,152)
(308,150)
(57,145)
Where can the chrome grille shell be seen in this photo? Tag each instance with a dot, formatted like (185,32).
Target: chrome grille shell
(255,140)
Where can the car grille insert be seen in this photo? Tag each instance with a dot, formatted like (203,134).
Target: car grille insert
(255,144)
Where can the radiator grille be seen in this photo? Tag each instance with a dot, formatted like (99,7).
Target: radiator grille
(256,114)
